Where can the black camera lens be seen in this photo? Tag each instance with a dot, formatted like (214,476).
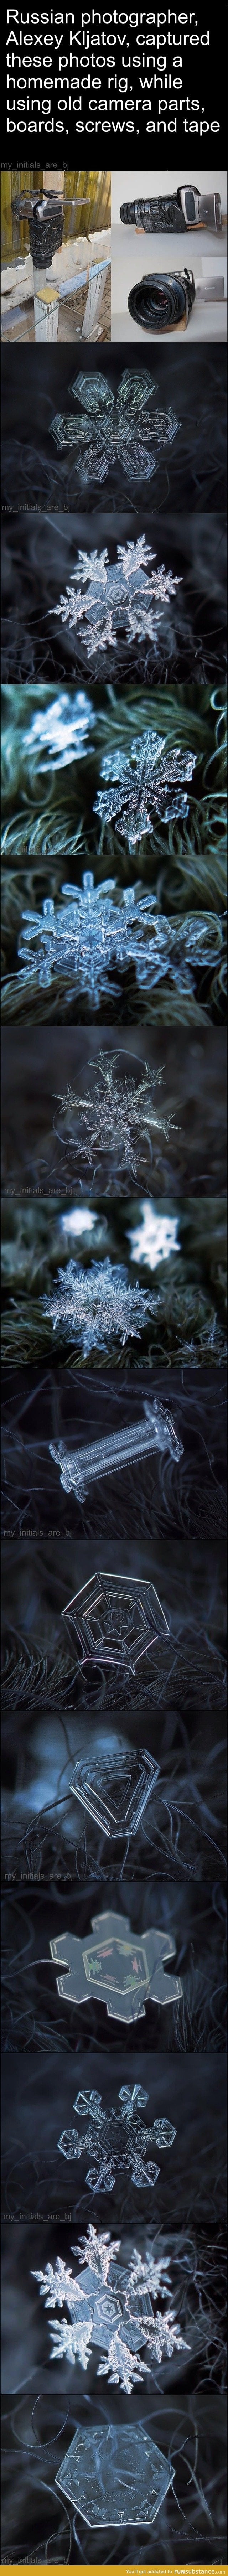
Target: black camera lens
(159,303)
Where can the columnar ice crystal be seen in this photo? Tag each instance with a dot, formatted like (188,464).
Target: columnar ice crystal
(104,598)
(125,2309)
(105,432)
(118,2139)
(148,783)
(80,1467)
(97,1305)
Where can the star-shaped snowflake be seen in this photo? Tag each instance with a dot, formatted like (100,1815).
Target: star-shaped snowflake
(118,2139)
(103,598)
(125,431)
(97,932)
(119,1117)
(149,783)
(59,731)
(97,1305)
(112,2306)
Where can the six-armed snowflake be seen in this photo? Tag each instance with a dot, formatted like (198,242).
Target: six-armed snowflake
(149,783)
(104,599)
(118,1117)
(126,2309)
(98,1306)
(105,432)
(117,2139)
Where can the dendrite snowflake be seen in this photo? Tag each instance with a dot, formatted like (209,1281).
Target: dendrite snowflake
(126,2309)
(117,2139)
(148,783)
(119,1117)
(58,732)
(97,1305)
(106,432)
(105,598)
(97,932)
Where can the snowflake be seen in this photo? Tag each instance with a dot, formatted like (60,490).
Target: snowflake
(91,936)
(97,1305)
(118,2139)
(112,2306)
(119,1115)
(103,598)
(59,731)
(149,783)
(108,431)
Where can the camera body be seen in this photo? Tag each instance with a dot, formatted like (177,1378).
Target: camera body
(184,211)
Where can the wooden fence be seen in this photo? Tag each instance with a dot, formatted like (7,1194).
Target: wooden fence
(94,185)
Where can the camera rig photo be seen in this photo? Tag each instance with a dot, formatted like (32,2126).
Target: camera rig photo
(55,255)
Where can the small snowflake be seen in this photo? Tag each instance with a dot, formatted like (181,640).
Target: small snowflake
(59,731)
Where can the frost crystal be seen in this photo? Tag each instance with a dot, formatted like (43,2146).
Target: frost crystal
(105,598)
(98,1306)
(59,731)
(123,1969)
(90,936)
(80,1468)
(118,2140)
(149,783)
(118,1117)
(114,2306)
(113,2475)
(108,431)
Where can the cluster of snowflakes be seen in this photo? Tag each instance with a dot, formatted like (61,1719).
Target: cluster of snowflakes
(115,2306)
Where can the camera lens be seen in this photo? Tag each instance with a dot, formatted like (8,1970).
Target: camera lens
(158,303)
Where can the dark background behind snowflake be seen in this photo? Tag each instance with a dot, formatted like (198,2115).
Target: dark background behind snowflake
(36,2436)
(196,2292)
(41,1144)
(36,384)
(33,2013)
(38,2103)
(188,1287)
(39,559)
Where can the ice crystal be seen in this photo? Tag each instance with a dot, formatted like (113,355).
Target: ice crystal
(103,598)
(113,2475)
(118,2139)
(106,431)
(148,783)
(80,1467)
(91,936)
(97,1305)
(118,1116)
(114,2306)
(59,731)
